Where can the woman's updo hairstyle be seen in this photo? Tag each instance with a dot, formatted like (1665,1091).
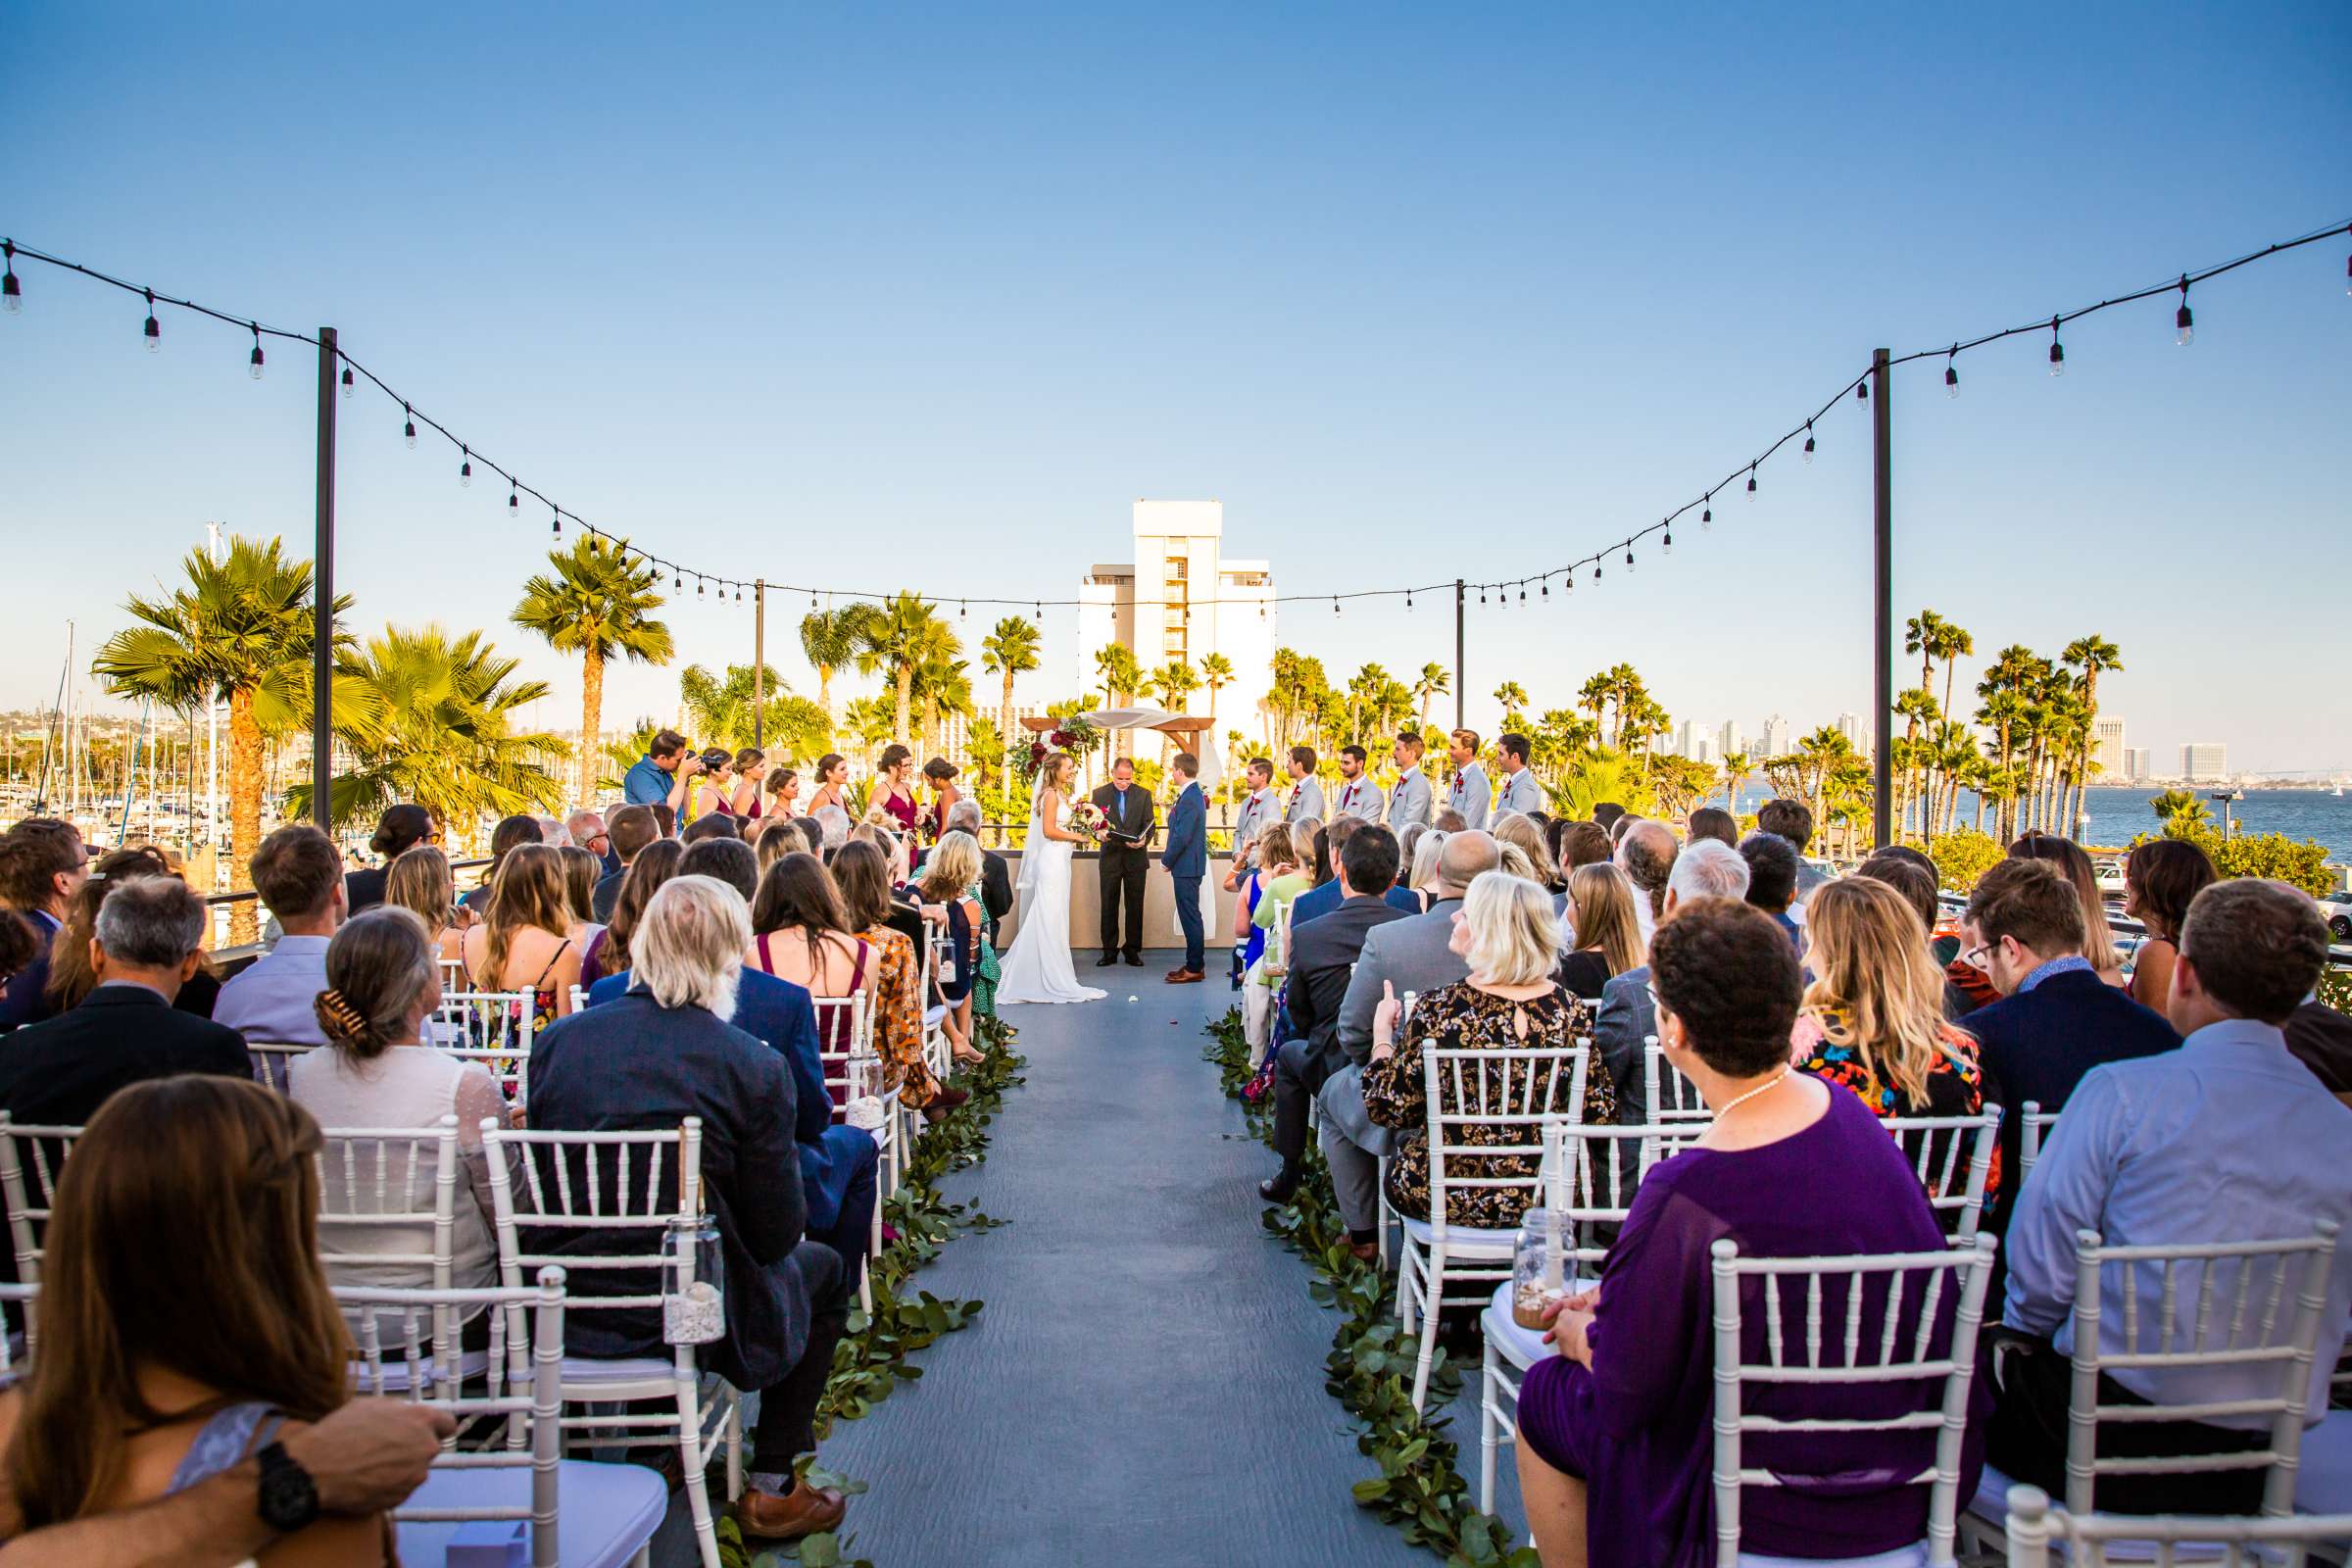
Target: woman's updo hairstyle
(376,966)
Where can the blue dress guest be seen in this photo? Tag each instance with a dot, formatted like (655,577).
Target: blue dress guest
(1186,860)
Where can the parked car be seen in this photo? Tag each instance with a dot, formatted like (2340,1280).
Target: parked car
(2337,908)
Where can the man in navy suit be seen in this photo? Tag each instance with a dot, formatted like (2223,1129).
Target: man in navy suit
(2056,1018)
(1186,860)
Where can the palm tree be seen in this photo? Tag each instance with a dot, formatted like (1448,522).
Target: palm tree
(434,719)
(1737,768)
(1433,682)
(2181,812)
(829,642)
(944,686)
(1923,634)
(240,631)
(870,720)
(1217,673)
(1513,698)
(1010,649)
(1917,706)
(598,605)
(896,637)
(720,708)
(1953,642)
(2090,656)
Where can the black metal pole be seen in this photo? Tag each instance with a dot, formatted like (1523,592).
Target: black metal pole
(1882,773)
(323,607)
(1461,690)
(760,662)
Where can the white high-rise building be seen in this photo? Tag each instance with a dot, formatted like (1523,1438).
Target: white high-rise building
(2107,746)
(1849,725)
(2204,761)
(1697,745)
(1730,738)
(2136,764)
(1775,736)
(1179,598)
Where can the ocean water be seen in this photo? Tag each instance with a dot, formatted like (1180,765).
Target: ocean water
(2118,815)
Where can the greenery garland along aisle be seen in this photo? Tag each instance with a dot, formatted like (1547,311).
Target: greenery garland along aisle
(1369,1371)
(872,1359)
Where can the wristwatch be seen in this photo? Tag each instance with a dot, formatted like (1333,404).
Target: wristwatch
(289,1499)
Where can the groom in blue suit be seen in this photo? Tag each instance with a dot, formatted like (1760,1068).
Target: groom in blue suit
(1186,860)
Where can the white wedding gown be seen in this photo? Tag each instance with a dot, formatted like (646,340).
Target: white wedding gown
(1037,967)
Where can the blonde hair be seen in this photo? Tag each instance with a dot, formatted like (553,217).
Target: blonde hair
(1302,842)
(1426,854)
(1606,918)
(1879,991)
(1512,858)
(1514,936)
(953,867)
(420,881)
(1519,831)
(688,951)
(1275,849)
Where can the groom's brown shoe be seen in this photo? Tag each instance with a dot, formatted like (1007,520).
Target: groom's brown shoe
(1185,977)
(801,1511)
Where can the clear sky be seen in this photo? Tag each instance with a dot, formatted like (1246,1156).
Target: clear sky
(883,295)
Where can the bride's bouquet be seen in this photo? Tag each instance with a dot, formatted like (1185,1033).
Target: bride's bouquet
(1087,821)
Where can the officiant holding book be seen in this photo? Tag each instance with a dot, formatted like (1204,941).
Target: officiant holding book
(1129,818)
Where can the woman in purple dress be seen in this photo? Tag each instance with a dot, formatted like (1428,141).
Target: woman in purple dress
(1615,1434)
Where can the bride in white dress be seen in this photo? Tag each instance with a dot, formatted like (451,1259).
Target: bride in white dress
(1037,967)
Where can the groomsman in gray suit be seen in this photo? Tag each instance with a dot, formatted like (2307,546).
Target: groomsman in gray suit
(1356,797)
(1520,791)
(1306,790)
(1409,798)
(1470,794)
(1257,808)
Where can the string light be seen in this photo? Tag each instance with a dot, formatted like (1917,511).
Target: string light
(698,586)
(1751,481)
(1523,591)
(1547,588)
(963,612)
(1666,543)
(409,432)
(1951,373)
(1706,516)
(1482,593)
(255,358)
(679,585)
(513,498)
(1862,391)
(1808,440)
(466,468)
(349,386)
(2057,350)
(556,522)
(1335,604)
(12,293)
(2181,319)
(1629,556)
(1596,573)
(154,329)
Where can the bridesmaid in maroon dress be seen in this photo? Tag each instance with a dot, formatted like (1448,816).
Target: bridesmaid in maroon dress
(943,795)
(894,790)
(713,789)
(751,766)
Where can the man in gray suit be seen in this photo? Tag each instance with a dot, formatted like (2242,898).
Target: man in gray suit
(1306,791)
(1357,795)
(1705,869)
(1409,954)
(1519,791)
(1257,809)
(1409,798)
(1470,794)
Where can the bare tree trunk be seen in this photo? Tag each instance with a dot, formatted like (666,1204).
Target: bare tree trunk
(592,710)
(244,812)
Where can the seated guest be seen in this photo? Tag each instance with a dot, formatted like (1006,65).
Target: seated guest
(861,874)
(1714,822)
(653,865)
(19,943)
(2098,943)
(1899,869)
(1794,820)
(2057,1019)
(950,872)
(1583,843)
(1772,872)
(523,942)
(799,934)
(1267,886)
(42,865)
(651,1059)
(511,834)
(582,871)
(711,825)
(1506,934)
(1323,959)
(1608,931)
(586,830)
(2320,1038)
(773,838)
(631,829)
(995,877)
(399,830)
(1627,1019)
(1329,896)
(1873,1019)
(1412,954)
(2219,1141)
(836,1163)
(188,1324)
(1616,1443)
(378,1071)
(422,883)
(1448,821)
(1526,834)
(1645,854)
(1607,814)
(70,975)
(2161,878)
(1422,879)
(57,1072)
(299,875)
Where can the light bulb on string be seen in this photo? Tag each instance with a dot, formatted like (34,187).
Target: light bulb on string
(12,294)
(1808,440)
(1335,604)
(349,386)
(1596,573)
(963,612)
(514,502)
(255,358)
(1951,373)
(678,583)
(556,523)
(1408,599)
(154,329)
(1629,557)
(700,588)
(408,429)
(1706,514)
(1862,390)
(2057,350)
(1666,545)
(1547,588)
(1522,593)
(812,599)
(1482,593)
(739,593)
(466,468)
(1751,481)
(2181,319)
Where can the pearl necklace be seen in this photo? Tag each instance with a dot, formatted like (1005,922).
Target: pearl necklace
(1743,1100)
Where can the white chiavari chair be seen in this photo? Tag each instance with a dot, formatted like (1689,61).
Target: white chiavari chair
(32,1157)
(1952,1157)
(274,1059)
(1672,1097)
(1900,1347)
(620,1192)
(494,1028)
(387,1202)
(2034,1126)
(2095,1540)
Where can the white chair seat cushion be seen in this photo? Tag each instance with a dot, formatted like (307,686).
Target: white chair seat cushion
(1521,1347)
(2324,1480)
(1463,1241)
(585,1371)
(1990,1506)
(605,1512)
(934,1017)
(1992,1502)
(1913,1557)
(470,1365)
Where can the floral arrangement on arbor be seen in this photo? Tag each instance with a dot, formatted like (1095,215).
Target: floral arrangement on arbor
(1073,735)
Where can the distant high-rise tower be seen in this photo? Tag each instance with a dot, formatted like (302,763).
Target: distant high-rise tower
(1775,736)
(2204,761)
(1849,725)
(2136,764)
(1695,740)
(2107,748)
(1182,597)
(1730,738)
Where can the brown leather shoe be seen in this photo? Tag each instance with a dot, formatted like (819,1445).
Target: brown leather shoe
(946,1100)
(803,1511)
(1186,977)
(1364,1251)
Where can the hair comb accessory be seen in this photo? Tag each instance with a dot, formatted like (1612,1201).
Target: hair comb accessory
(338,1017)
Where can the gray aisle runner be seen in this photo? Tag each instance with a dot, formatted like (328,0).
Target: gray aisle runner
(1145,1383)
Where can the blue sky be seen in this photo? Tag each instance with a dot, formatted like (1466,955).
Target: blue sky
(927,295)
